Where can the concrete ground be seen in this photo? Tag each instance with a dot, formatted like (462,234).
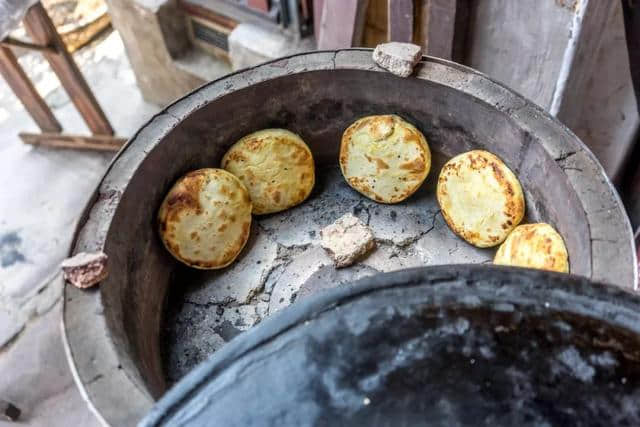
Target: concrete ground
(42,193)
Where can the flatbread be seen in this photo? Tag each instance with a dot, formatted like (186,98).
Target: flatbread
(205,218)
(481,199)
(534,246)
(275,165)
(384,158)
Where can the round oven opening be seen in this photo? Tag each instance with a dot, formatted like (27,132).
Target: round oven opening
(122,334)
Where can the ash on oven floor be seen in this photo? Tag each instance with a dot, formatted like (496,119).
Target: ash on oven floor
(283,261)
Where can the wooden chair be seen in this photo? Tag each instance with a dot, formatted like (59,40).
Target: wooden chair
(47,40)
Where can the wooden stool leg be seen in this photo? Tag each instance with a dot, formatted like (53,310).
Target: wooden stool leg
(82,142)
(42,31)
(20,84)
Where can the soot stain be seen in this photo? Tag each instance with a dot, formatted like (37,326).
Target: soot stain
(9,249)
(227,330)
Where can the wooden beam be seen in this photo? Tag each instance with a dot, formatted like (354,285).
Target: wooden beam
(261,5)
(318,7)
(305,8)
(638,248)
(20,84)
(400,21)
(206,14)
(42,31)
(631,172)
(630,187)
(460,31)
(580,60)
(11,42)
(443,27)
(60,140)
(342,23)
(631,13)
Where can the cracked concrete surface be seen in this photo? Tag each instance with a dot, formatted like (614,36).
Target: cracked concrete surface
(284,262)
(36,378)
(46,192)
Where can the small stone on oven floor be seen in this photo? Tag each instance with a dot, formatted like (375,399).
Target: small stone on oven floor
(347,240)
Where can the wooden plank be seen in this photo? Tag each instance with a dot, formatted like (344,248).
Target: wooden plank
(631,172)
(305,9)
(42,31)
(442,27)
(631,187)
(261,5)
(376,23)
(638,250)
(631,13)
(604,113)
(460,31)
(60,140)
(20,84)
(400,21)
(579,60)
(318,7)
(11,42)
(234,10)
(519,43)
(342,23)
(206,14)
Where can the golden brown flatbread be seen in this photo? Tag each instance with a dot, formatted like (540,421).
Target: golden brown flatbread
(275,165)
(384,158)
(205,218)
(481,199)
(534,246)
